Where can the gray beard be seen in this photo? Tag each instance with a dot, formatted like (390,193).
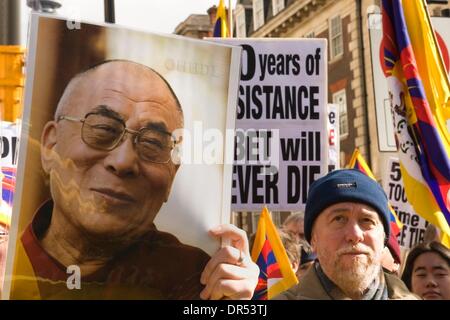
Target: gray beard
(355,281)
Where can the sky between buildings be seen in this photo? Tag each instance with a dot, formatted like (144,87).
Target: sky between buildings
(148,15)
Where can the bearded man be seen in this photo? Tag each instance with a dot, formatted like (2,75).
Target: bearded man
(347,223)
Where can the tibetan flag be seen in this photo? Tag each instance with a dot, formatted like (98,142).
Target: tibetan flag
(420,102)
(358,162)
(220,26)
(276,274)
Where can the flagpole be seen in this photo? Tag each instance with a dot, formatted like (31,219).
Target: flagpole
(230,18)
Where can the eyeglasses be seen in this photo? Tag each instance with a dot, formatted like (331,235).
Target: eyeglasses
(106,133)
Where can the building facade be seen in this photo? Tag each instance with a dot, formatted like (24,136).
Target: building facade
(345,24)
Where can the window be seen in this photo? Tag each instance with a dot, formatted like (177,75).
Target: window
(340,99)
(241,30)
(337,47)
(258,13)
(277,6)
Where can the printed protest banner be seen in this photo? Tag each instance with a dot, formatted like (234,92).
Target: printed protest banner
(122,164)
(9,148)
(9,145)
(333,137)
(414,226)
(281,122)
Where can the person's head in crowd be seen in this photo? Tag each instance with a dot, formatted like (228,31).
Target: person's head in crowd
(427,271)
(292,248)
(391,258)
(307,258)
(347,225)
(295,224)
(432,233)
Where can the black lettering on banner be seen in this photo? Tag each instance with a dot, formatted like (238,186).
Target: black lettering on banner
(405,217)
(289,148)
(415,220)
(312,63)
(249,52)
(256,114)
(307,147)
(9,148)
(256,184)
(296,64)
(270,65)
(397,192)
(278,102)
(293,189)
(416,236)
(332,117)
(252,145)
(396,174)
(304,144)
(299,179)
(252,181)
(401,237)
(239,145)
(314,102)
(234,185)
(14,150)
(5,147)
(281,64)
(272,187)
(240,109)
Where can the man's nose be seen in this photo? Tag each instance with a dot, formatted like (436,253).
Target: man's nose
(123,160)
(431,282)
(353,232)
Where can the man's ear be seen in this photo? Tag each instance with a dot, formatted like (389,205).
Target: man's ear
(295,266)
(48,143)
(313,241)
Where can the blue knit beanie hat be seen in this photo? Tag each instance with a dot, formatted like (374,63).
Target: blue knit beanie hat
(346,185)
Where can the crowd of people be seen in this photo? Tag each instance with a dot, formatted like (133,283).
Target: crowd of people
(107,156)
(345,266)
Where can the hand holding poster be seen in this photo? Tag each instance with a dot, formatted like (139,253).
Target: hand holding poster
(281,122)
(110,196)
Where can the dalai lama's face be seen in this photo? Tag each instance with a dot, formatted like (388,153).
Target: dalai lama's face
(112,189)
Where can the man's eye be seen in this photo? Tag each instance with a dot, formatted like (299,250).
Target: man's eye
(442,275)
(338,219)
(368,221)
(151,143)
(421,275)
(105,128)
